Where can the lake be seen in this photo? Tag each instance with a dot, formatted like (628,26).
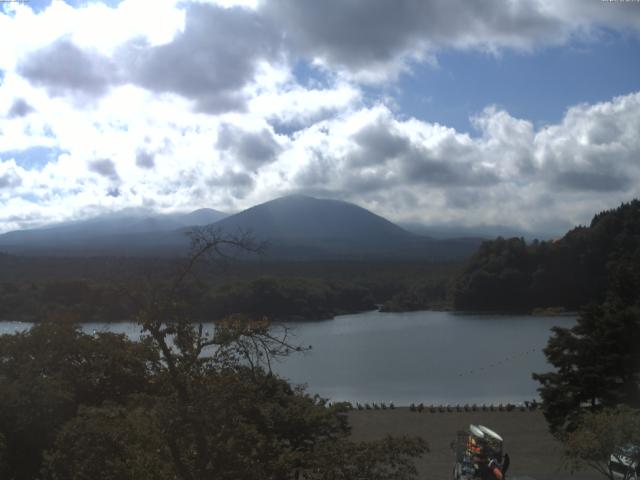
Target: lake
(430,357)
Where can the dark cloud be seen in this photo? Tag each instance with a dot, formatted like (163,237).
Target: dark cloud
(463,198)
(20,108)
(378,143)
(604,131)
(421,166)
(251,149)
(218,52)
(64,68)
(105,167)
(317,172)
(10,179)
(238,184)
(211,60)
(145,159)
(384,155)
(366,182)
(360,34)
(593,181)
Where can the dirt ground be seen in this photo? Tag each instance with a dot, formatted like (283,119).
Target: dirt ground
(535,454)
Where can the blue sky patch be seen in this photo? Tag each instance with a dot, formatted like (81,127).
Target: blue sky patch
(33,158)
(537,86)
(310,76)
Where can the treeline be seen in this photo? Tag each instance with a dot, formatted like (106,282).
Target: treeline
(71,298)
(277,298)
(281,291)
(287,299)
(587,266)
(428,294)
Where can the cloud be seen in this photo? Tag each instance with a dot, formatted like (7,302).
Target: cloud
(510,172)
(105,168)
(291,107)
(65,69)
(237,184)
(378,142)
(367,37)
(383,152)
(430,167)
(251,149)
(9,178)
(145,159)
(227,107)
(209,62)
(595,181)
(213,54)
(594,148)
(557,174)
(375,39)
(20,108)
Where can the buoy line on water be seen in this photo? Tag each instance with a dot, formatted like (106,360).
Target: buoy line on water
(496,364)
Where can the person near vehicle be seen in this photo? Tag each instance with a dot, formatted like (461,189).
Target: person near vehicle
(506,461)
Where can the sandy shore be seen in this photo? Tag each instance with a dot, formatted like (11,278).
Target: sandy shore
(535,454)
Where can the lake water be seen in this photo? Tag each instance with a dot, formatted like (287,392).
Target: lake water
(430,357)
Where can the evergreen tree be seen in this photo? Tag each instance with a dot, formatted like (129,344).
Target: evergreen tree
(597,364)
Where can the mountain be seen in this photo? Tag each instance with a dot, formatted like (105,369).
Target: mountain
(202,216)
(295,227)
(301,227)
(124,231)
(301,217)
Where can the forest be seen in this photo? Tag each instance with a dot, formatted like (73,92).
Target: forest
(106,289)
(589,265)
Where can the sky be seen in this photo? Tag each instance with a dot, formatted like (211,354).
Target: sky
(524,113)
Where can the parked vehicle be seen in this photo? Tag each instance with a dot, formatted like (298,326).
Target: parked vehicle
(478,454)
(625,464)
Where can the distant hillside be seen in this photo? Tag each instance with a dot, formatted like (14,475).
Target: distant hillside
(485,232)
(300,217)
(295,227)
(299,227)
(128,229)
(588,265)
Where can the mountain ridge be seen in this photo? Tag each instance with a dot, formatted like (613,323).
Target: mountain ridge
(301,216)
(297,227)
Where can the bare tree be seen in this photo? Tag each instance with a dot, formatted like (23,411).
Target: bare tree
(183,344)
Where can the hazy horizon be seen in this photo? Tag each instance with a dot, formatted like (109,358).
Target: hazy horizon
(437,230)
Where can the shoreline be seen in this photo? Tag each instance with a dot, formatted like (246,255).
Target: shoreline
(294,320)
